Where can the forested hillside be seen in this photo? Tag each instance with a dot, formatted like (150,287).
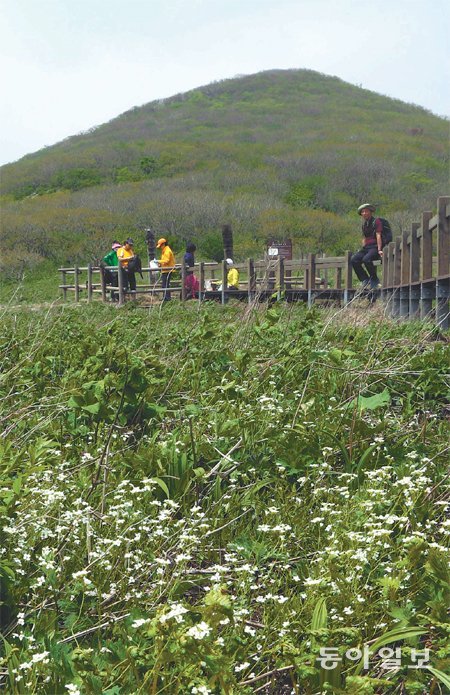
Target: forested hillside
(287,153)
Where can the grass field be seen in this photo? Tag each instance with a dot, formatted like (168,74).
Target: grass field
(212,500)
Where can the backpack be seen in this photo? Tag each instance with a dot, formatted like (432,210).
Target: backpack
(386,234)
(135,265)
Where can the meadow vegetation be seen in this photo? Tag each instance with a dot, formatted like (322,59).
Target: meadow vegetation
(199,500)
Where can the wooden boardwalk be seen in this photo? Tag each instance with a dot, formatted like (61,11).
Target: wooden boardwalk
(415,284)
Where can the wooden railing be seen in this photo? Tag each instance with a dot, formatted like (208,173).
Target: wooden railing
(308,279)
(416,271)
(415,276)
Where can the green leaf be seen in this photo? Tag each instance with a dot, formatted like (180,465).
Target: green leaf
(373,402)
(17,484)
(192,409)
(272,316)
(94,408)
(438,567)
(76,401)
(154,410)
(402,633)
(320,615)
(440,675)
(7,572)
(218,597)
(255,488)
(366,455)
(341,446)
(336,355)
(162,485)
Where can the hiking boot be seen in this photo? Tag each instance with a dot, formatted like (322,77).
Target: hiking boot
(375,284)
(365,284)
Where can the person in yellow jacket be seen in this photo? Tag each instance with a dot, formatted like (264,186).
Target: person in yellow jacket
(232,275)
(166,263)
(124,255)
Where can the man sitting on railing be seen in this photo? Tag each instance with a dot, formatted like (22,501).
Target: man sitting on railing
(372,248)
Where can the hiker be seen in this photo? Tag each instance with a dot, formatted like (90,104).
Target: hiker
(232,275)
(166,263)
(372,247)
(125,254)
(191,283)
(111,276)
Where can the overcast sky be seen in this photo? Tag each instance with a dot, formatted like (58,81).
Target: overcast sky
(69,65)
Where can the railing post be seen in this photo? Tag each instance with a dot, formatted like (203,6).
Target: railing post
(404,276)
(280,278)
(311,278)
(201,281)
(64,282)
(442,302)
(443,237)
(390,263)
(348,269)
(103,283)
(224,281)
(426,247)
(426,254)
(384,272)
(77,287)
(388,278)
(396,276)
(287,278)
(414,272)
(427,294)
(120,272)
(89,283)
(443,264)
(325,275)
(414,254)
(183,282)
(251,287)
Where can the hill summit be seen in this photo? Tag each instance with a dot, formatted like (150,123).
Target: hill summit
(281,152)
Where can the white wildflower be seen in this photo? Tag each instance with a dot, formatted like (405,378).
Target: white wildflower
(176,612)
(73,689)
(242,667)
(139,622)
(199,631)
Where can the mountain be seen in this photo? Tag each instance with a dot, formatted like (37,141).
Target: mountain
(283,152)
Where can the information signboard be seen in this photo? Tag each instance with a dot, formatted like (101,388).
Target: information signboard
(279,248)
